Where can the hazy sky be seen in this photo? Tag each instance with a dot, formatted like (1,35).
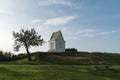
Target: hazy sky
(88,25)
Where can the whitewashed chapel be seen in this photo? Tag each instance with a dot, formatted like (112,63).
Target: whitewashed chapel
(56,42)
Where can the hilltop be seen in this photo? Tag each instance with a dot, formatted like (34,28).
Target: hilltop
(72,58)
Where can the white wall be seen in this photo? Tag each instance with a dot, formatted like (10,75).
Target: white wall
(52,45)
(60,45)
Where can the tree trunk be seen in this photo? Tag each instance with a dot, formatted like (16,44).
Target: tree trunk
(28,53)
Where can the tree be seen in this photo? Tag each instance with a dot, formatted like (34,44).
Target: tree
(27,38)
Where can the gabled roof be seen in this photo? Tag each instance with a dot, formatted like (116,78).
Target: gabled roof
(55,35)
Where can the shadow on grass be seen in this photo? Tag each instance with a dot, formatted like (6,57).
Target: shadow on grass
(4,71)
(112,74)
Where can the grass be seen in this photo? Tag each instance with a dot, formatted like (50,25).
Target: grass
(82,58)
(62,67)
(57,72)
(79,59)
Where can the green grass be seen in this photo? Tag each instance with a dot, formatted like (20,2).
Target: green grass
(79,59)
(82,59)
(57,72)
(75,59)
(60,67)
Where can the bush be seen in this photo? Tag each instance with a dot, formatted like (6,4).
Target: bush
(71,49)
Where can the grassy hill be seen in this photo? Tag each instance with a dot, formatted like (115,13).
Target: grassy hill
(64,66)
(73,58)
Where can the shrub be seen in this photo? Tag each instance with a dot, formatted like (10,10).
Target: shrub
(71,49)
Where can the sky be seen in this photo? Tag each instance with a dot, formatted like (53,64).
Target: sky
(87,25)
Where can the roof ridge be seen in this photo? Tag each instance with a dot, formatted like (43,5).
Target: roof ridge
(55,35)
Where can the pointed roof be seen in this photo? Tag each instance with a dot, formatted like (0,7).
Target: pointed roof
(55,35)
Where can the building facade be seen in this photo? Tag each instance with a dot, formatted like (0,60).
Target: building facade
(56,42)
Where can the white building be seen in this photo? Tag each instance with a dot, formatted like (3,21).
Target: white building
(56,42)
